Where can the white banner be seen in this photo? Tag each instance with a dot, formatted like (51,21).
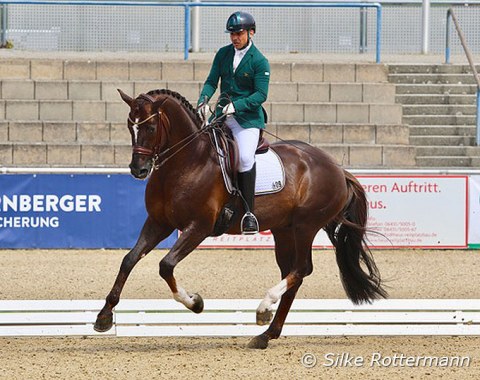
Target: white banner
(406,211)
(417,211)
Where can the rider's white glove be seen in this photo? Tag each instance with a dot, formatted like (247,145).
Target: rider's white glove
(228,109)
(204,112)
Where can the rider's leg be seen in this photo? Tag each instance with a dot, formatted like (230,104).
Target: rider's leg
(246,182)
(247,141)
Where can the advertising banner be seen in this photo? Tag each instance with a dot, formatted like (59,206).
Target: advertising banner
(417,211)
(107,211)
(72,211)
(404,211)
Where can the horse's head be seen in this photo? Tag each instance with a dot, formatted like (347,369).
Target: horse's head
(147,124)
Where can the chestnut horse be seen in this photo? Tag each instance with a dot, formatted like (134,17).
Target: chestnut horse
(186,191)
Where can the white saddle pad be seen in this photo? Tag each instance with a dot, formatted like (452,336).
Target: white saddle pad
(270,173)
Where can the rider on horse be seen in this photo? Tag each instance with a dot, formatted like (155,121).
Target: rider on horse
(245,76)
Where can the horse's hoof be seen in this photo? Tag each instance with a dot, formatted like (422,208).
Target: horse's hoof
(264,317)
(260,342)
(197,303)
(103,323)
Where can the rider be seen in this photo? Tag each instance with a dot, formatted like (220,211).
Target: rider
(245,76)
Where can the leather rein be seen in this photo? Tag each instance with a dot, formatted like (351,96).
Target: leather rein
(163,125)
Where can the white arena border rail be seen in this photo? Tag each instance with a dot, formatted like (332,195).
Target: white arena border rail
(236,317)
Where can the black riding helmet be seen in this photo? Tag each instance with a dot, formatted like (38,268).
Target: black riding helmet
(239,21)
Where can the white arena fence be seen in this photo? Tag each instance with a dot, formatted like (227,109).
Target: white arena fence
(236,317)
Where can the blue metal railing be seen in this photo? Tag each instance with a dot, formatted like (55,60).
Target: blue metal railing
(188,6)
(451,16)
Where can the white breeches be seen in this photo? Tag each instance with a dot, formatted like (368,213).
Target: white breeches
(247,141)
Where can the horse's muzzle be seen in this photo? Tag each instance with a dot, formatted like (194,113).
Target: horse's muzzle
(139,168)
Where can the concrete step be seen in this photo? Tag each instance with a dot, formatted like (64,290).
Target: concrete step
(65,132)
(334,112)
(444,162)
(444,151)
(27,89)
(442,130)
(100,111)
(432,78)
(119,155)
(439,109)
(32,68)
(52,155)
(62,132)
(371,156)
(439,120)
(65,110)
(436,99)
(438,89)
(340,133)
(429,69)
(454,141)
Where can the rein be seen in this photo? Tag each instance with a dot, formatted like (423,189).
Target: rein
(186,141)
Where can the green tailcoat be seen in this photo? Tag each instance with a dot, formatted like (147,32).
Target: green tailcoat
(247,87)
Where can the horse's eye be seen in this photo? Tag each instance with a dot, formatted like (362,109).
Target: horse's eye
(151,129)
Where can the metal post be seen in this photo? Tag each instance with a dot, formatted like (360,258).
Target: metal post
(447,37)
(186,31)
(379,33)
(478,117)
(425,26)
(363,29)
(196,28)
(3,10)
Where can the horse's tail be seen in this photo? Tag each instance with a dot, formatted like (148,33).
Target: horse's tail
(347,234)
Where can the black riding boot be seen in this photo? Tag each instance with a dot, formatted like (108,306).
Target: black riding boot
(246,183)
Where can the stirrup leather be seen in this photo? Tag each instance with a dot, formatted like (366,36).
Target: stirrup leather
(252,229)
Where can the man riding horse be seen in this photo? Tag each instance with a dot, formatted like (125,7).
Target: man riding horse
(245,75)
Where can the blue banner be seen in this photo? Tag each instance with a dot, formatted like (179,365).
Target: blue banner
(72,211)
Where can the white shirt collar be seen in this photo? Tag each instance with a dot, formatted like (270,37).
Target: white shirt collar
(239,54)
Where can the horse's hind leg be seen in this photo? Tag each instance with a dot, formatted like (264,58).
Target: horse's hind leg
(151,235)
(293,253)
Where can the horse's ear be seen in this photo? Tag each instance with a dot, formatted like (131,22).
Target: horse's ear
(127,99)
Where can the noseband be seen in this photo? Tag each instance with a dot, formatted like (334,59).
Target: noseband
(162,125)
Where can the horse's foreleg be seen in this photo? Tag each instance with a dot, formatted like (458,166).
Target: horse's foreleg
(190,238)
(151,235)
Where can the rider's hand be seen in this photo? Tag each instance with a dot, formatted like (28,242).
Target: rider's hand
(228,109)
(204,111)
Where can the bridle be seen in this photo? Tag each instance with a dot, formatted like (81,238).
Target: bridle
(163,126)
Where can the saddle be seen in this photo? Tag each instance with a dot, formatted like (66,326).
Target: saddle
(228,152)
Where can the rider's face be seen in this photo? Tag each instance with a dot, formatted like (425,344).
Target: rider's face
(240,39)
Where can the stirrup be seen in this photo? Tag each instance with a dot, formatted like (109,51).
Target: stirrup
(252,228)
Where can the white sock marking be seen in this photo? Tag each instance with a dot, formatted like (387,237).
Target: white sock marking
(272,296)
(183,297)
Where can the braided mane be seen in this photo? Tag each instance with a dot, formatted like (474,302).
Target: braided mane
(182,100)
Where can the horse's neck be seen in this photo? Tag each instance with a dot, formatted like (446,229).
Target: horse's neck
(186,139)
